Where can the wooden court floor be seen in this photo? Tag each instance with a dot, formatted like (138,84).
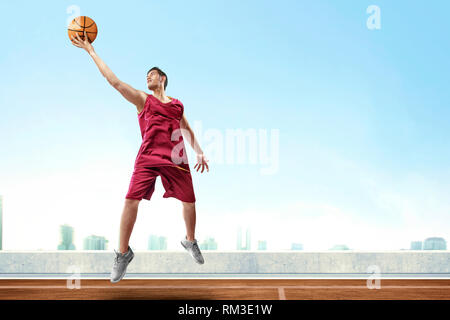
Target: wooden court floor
(225,289)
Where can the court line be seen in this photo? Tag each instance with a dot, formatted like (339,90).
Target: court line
(281,295)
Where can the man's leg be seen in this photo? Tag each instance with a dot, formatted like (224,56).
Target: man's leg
(142,185)
(189,219)
(129,214)
(190,243)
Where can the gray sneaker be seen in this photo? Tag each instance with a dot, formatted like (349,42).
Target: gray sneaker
(121,262)
(193,249)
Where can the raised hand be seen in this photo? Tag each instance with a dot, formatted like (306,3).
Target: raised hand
(84,44)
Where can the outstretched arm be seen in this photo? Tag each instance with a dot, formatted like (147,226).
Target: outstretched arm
(136,97)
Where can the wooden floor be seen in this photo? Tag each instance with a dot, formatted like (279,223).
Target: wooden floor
(224,289)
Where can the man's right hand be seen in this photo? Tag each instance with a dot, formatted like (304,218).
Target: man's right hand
(84,44)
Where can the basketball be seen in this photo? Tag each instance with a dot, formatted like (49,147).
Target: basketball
(81,23)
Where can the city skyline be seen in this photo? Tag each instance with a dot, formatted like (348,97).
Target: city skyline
(159,242)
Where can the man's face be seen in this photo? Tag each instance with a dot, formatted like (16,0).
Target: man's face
(154,80)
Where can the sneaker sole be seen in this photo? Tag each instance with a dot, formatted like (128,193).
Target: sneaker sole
(124,271)
(199,262)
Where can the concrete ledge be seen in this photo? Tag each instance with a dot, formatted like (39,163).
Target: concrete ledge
(165,264)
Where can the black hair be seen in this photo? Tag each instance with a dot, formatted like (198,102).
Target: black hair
(161,73)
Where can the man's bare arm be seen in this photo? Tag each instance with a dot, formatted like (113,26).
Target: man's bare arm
(184,124)
(136,97)
(202,162)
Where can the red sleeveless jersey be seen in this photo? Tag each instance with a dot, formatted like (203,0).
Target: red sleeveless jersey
(161,146)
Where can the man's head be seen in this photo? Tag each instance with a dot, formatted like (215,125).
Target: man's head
(155,78)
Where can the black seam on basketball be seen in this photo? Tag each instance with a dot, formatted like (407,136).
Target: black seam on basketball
(85,23)
(76,22)
(90,25)
(82,31)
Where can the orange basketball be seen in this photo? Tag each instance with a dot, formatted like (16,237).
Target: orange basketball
(81,23)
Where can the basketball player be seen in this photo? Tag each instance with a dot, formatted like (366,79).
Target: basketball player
(162,153)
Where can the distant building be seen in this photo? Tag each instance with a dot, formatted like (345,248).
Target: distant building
(340,247)
(262,245)
(296,246)
(240,246)
(208,244)
(1,222)
(157,243)
(434,243)
(416,245)
(66,233)
(95,243)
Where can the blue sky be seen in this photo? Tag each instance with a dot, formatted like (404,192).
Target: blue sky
(362,118)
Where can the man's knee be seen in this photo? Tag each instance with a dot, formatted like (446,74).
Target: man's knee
(188,204)
(132,202)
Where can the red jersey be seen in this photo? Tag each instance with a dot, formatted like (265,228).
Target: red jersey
(161,146)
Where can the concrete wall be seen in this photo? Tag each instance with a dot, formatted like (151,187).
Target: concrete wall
(265,263)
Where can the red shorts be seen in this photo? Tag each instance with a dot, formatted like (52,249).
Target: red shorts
(176,182)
